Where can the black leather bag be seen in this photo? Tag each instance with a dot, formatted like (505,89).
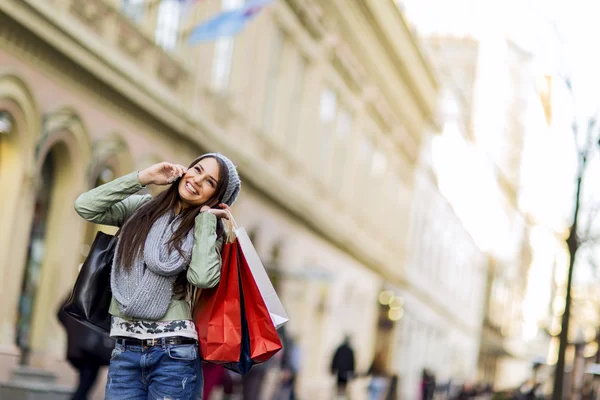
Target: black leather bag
(85,346)
(91,296)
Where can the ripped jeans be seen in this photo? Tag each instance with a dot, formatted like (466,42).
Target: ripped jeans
(164,372)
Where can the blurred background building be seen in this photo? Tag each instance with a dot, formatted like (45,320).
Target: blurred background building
(490,108)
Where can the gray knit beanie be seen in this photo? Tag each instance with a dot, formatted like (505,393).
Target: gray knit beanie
(234,184)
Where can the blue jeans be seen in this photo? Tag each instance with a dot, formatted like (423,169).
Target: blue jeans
(160,372)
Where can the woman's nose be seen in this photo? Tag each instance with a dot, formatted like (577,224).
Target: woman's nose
(198,179)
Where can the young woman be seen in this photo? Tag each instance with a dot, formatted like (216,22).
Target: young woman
(165,244)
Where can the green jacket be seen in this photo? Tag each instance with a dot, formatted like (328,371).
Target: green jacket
(113,202)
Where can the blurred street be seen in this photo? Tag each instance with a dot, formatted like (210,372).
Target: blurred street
(419,180)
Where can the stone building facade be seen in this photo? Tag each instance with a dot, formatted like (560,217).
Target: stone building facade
(497,112)
(444,302)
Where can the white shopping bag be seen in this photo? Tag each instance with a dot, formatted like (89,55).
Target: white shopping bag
(278,314)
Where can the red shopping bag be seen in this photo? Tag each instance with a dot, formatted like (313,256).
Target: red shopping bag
(232,320)
(264,340)
(218,313)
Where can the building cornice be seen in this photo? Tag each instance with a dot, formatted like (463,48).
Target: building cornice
(393,30)
(403,85)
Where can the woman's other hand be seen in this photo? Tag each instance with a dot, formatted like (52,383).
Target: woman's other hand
(163,173)
(221,212)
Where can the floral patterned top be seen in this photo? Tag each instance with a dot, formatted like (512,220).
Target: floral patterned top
(152,329)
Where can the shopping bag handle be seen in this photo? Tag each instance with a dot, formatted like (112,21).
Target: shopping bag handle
(232,222)
(232,226)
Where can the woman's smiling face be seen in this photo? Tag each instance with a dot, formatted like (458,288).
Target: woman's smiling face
(199,184)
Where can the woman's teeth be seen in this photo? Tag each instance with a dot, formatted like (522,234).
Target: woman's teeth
(190,188)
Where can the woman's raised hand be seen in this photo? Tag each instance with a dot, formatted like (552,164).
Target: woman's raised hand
(221,212)
(162,173)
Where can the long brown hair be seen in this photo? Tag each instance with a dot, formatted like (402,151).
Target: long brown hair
(135,230)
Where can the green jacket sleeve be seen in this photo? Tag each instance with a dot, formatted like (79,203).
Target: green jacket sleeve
(111,203)
(205,267)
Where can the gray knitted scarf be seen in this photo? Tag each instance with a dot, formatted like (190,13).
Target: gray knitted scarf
(145,290)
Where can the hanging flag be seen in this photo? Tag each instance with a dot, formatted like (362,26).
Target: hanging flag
(227,23)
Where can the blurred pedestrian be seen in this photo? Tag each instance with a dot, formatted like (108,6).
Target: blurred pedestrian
(215,376)
(528,390)
(467,391)
(379,383)
(87,351)
(392,393)
(427,385)
(253,382)
(290,367)
(342,365)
